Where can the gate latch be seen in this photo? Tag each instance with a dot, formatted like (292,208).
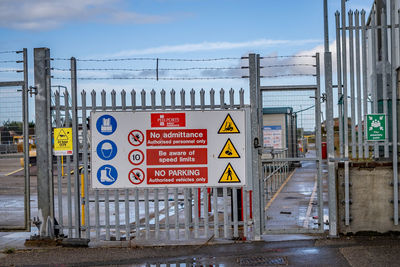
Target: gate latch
(256,143)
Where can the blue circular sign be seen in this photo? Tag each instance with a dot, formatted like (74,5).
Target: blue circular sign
(106,150)
(107,175)
(106,125)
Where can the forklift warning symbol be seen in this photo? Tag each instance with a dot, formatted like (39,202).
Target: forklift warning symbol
(228,126)
(228,151)
(229,175)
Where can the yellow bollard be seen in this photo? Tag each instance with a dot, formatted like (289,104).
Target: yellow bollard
(62,165)
(82,196)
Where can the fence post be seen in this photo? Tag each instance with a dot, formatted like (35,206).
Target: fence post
(256,141)
(75,145)
(26,143)
(43,141)
(394,114)
(329,126)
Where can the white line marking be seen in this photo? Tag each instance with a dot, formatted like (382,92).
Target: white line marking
(309,209)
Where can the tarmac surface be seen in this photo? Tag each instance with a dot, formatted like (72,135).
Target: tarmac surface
(344,251)
(296,200)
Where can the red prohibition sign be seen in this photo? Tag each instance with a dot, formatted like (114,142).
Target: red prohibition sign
(136,157)
(136,138)
(136,176)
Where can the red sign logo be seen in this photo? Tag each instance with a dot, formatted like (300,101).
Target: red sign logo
(136,176)
(168,120)
(136,138)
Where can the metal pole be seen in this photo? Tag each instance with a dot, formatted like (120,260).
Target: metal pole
(330,135)
(384,61)
(255,132)
(339,82)
(358,78)
(43,137)
(374,87)
(326,30)
(318,144)
(345,119)
(27,196)
(394,116)
(352,87)
(75,145)
(364,80)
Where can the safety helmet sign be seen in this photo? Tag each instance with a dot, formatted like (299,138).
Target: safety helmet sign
(106,150)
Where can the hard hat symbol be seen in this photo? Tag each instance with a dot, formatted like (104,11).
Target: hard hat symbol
(106,150)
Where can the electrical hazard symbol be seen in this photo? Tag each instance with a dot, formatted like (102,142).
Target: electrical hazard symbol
(228,151)
(228,126)
(229,175)
(62,141)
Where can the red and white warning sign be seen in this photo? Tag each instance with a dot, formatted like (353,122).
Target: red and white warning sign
(168,149)
(136,138)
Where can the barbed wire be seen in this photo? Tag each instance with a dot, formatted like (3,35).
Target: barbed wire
(161,69)
(8,52)
(289,65)
(292,56)
(11,61)
(285,75)
(151,78)
(11,70)
(150,59)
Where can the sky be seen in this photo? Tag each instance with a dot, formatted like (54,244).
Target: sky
(167,29)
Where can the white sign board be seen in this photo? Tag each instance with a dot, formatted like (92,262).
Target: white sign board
(273,136)
(168,149)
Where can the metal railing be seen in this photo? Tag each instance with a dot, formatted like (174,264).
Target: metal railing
(274,173)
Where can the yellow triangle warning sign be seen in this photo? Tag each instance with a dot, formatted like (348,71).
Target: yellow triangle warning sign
(62,135)
(228,151)
(228,126)
(229,175)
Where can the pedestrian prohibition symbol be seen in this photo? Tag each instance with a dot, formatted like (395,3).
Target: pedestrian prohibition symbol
(229,175)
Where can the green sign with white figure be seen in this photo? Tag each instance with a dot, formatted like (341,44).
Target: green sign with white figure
(376,127)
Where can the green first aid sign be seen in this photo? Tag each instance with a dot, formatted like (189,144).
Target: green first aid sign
(376,127)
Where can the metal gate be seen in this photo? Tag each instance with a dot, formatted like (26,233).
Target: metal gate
(292,160)
(146,215)
(14,142)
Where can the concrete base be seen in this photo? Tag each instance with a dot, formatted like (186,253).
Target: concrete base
(371,198)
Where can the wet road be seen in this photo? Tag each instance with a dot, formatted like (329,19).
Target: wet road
(354,251)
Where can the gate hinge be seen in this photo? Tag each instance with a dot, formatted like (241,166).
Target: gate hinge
(32,90)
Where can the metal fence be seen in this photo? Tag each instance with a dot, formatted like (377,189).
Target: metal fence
(166,214)
(14,141)
(366,58)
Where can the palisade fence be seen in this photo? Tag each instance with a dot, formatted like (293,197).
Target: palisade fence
(142,214)
(367,84)
(166,214)
(170,213)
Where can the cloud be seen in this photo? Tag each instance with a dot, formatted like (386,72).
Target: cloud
(49,14)
(211,46)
